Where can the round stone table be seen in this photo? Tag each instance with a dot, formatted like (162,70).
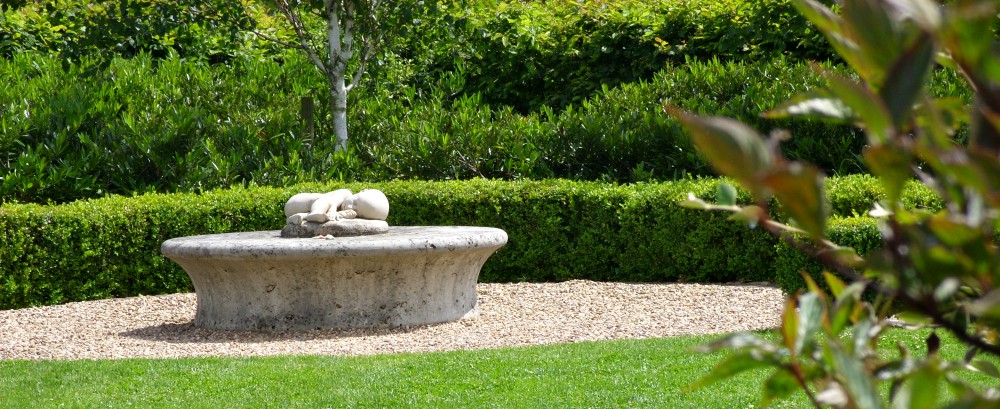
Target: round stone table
(412,275)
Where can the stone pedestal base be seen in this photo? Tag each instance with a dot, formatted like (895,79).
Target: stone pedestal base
(408,276)
(340,228)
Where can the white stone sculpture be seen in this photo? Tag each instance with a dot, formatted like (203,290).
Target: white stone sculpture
(322,214)
(339,204)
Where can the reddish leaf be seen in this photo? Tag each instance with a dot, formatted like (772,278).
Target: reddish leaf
(734,149)
(906,78)
(872,112)
(892,166)
(799,188)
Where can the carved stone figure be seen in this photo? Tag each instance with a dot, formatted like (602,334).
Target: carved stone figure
(337,213)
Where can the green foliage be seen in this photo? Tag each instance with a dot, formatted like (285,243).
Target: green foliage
(553,54)
(936,263)
(151,125)
(558,53)
(855,195)
(860,233)
(97,31)
(558,229)
(170,124)
(109,247)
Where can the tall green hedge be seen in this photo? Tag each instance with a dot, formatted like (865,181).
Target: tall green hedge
(163,125)
(529,54)
(558,230)
(551,53)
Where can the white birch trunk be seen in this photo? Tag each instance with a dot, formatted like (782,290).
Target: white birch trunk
(340,32)
(338,100)
(340,39)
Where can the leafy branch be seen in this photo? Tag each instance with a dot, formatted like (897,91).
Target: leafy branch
(943,267)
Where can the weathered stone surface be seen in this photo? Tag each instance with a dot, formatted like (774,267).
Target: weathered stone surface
(409,276)
(340,228)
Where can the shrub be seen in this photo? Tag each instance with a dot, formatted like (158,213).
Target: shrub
(553,54)
(925,267)
(859,232)
(558,230)
(149,125)
(558,53)
(145,125)
(97,31)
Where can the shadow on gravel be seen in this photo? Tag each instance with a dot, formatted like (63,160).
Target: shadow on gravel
(186,333)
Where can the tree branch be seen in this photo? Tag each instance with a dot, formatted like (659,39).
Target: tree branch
(824,255)
(275,40)
(364,65)
(302,34)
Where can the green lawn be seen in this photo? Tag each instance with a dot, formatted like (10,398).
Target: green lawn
(647,373)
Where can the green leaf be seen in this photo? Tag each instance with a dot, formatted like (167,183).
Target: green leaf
(725,194)
(693,202)
(751,215)
(790,326)
(856,381)
(964,28)
(843,311)
(874,115)
(952,233)
(921,391)
(864,331)
(817,13)
(781,384)
(987,306)
(926,13)
(892,166)
(870,24)
(810,318)
(737,341)
(810,283)
(831,25)
(906,78)
(819,104)
(734,149)
(836,285)
(985,367)
(846,255)
(736,364)
(896,369)
(988,166)
(940,119)
(946,289)
(912,317)
(799,188)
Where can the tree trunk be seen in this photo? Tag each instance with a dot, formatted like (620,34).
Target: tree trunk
(340,40)
(338,100)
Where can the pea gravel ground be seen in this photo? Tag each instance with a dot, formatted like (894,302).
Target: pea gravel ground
(509,315)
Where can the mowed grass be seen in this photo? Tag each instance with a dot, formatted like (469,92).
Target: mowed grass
(630,373)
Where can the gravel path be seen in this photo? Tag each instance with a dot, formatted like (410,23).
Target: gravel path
(510,315)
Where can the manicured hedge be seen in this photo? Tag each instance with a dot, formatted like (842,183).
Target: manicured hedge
(558,230)
(860,233)
(850,200)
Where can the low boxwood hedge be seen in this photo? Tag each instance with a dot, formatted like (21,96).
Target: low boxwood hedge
(558,230)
